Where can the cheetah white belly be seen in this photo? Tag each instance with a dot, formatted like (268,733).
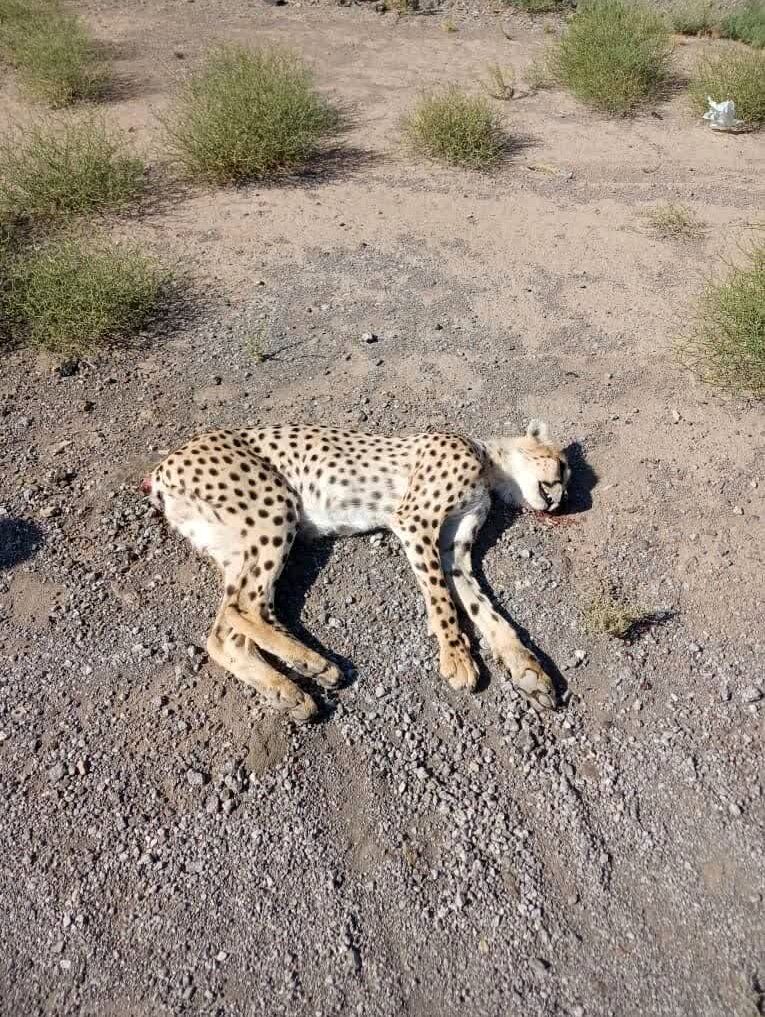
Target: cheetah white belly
(320,521)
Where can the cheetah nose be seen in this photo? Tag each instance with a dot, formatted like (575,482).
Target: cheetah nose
(146,485)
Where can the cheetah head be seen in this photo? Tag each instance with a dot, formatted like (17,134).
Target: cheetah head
(530,470)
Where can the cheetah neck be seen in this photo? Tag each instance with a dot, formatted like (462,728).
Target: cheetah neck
(500,459)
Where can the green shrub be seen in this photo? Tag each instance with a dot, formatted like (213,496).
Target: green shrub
(248,115)
(727,345)
(52,173)
(613,55)
(68,298)
(693,19)
(747,24)
(737,74)
(54,56)
(456,128)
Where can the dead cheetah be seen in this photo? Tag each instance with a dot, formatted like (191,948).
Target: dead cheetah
(240,497)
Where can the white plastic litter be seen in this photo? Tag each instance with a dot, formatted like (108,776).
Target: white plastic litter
(722,115)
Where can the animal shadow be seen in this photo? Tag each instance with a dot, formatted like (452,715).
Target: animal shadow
(583,481)
(20,539)
(301,571)
(501,517)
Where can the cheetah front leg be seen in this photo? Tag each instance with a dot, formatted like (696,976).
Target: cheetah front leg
(419,536)
(525,670)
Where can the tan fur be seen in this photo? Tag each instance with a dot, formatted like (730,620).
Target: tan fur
(240,497)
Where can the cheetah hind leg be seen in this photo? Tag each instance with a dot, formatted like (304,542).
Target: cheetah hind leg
(239,656)
(263,630)
(249,602)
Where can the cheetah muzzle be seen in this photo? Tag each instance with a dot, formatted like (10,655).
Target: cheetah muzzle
(241,496)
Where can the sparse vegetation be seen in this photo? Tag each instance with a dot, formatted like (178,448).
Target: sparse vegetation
(69,298)
(674,222)
(256,342)
(613,55)
(456,128)
(693,18)
(55,58)
(542,6)
(539,74)
(739,75)
(727,345)
(747,24)
(608,614)
(52,173)
(249,115)
(499,82)
(449,25)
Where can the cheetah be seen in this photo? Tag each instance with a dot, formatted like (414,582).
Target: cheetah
(241,496)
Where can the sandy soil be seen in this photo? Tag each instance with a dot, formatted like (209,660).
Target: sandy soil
(417,852)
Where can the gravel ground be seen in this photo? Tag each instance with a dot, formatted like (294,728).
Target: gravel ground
(172,847)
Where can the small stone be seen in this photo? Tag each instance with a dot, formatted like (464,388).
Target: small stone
(67,368)
(676,417)
(577,1010)
(369,337)
(220,956)
(196,778)
(82,767)
(179,54)
(735,810)
(737,510)
(751,694)
(539,965)
(56,772)
(694,647)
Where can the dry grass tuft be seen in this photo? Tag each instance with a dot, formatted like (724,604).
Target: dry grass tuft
(453,127)
(674,222)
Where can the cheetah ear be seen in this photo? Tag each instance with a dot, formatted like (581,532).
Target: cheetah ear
(538,429)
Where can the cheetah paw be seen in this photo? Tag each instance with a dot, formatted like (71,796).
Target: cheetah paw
(458,668)
(291,700)
(329,677)
(531,680)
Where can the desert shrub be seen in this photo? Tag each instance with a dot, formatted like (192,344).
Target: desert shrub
(55,58)
(738,74)
(613,55)
(693,19)
(747,24)
(54,172)
(69,298)
(248,115)
(727,344)
(455,128)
